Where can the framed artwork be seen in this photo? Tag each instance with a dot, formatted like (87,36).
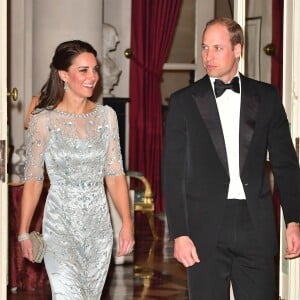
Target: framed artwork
(253,47)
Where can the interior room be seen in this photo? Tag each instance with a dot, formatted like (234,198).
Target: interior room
(156,51)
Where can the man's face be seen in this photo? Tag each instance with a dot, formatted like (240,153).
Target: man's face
(219,57)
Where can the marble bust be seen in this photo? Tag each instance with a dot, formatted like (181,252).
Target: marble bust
(110,69)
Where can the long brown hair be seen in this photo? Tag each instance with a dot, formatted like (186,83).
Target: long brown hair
(52,91)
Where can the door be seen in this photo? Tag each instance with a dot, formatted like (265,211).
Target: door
(3,139)
(289,270)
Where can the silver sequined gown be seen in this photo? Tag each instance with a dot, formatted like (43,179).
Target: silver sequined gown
(79,150)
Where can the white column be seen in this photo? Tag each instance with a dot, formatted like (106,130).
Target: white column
(56,21)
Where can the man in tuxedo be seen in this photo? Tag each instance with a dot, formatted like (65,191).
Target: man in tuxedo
(218,198)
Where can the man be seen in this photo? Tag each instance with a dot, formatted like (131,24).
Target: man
(218,198)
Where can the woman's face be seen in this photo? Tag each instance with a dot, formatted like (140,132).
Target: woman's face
(82,76)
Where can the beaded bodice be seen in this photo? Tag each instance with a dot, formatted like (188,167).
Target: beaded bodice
(79,149)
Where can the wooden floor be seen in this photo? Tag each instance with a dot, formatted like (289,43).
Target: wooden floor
(153,273)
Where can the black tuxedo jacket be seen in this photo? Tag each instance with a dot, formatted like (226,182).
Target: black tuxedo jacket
(195,167)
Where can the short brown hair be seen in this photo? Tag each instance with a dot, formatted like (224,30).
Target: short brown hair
(234,29)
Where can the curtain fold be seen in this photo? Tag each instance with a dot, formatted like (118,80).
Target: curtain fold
(277,39)
(152,30)
(276,76)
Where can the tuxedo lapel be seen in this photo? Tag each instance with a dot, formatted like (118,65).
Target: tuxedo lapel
(207,107)
(249,109)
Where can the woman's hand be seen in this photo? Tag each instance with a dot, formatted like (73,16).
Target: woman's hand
(26,247)
(126,239)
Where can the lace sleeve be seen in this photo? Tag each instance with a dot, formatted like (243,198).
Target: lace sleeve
(35,148)
(113,162)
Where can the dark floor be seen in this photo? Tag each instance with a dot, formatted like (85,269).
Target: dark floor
(153,274)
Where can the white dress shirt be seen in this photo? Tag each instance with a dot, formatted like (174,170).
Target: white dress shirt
(229,104)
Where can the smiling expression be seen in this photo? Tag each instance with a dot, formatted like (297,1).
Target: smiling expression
(82,76)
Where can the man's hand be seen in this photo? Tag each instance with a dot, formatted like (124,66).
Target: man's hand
(185,251)
(293,240)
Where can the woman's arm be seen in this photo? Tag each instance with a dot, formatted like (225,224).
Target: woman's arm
(30,198)
(32,105)
(118,190)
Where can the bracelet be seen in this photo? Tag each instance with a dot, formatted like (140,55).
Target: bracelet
(23,237)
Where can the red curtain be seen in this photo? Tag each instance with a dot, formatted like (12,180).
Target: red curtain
(152,29)
(277,39)
(276,75)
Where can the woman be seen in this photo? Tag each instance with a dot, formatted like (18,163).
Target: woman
(79,143)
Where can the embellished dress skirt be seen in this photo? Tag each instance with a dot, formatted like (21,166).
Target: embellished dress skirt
(79,241)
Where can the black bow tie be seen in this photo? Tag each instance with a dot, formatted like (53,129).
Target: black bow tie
(220,86)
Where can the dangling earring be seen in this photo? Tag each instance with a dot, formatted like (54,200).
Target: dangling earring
(65,86)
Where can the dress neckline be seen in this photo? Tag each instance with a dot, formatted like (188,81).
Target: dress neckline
(83,115)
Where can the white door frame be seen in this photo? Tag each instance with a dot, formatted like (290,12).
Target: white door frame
(289,277)
(289,281)
(240,17)
(3,136)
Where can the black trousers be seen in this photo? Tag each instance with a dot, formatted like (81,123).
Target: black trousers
(238,258)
